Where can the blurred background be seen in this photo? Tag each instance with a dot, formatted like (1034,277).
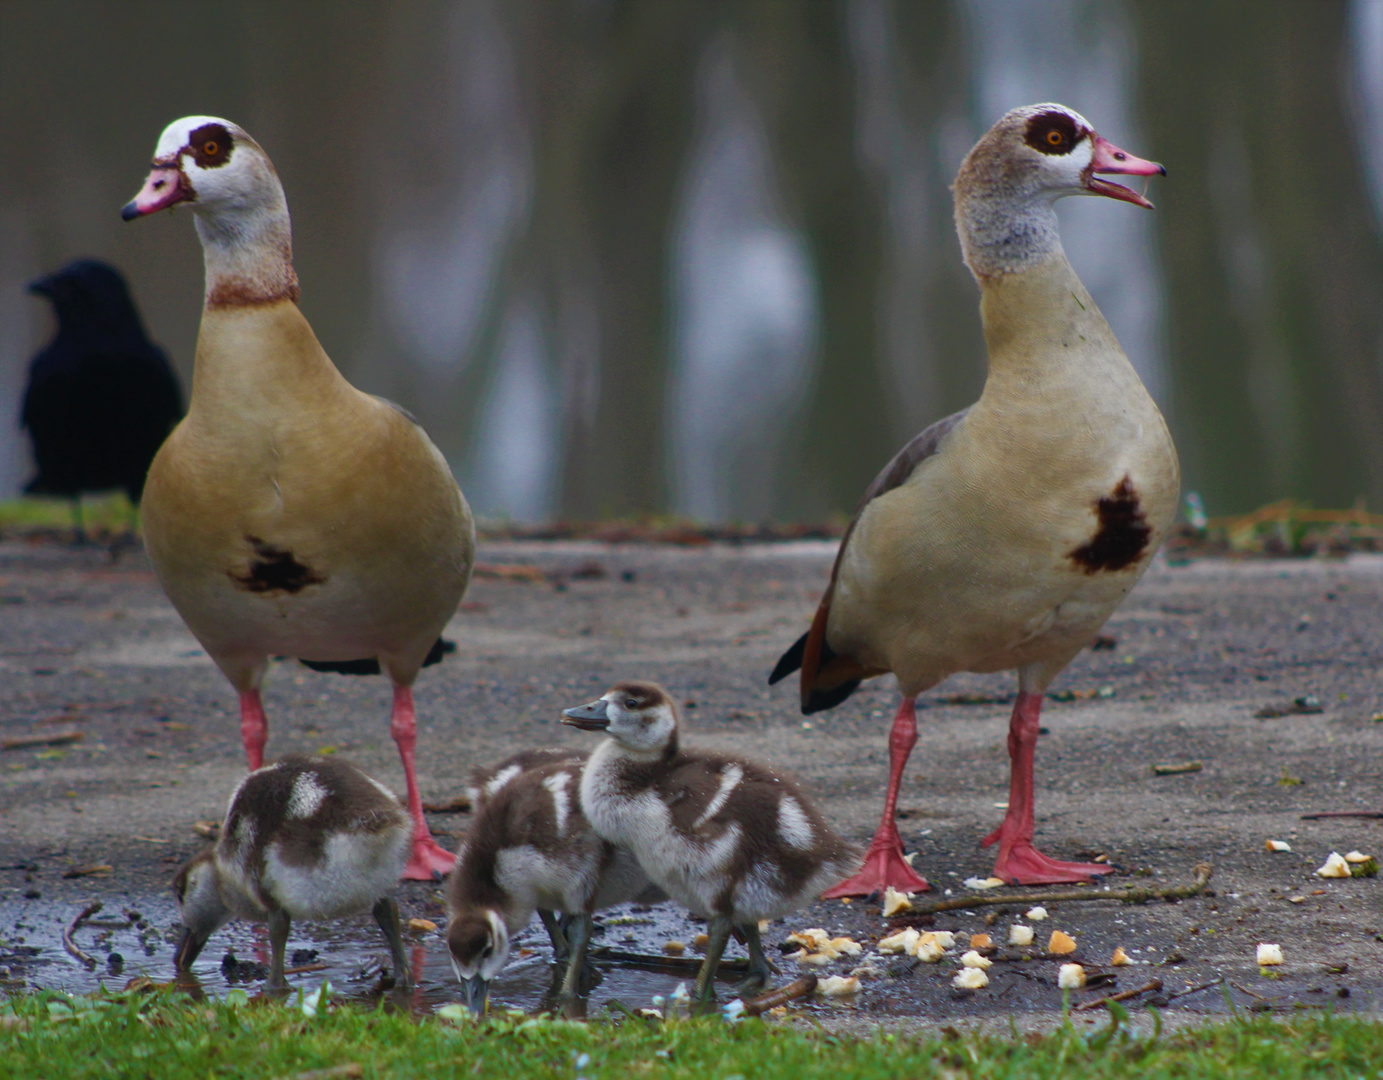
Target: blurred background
(697,257)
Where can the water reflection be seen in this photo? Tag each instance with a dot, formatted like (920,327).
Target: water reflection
(699,256)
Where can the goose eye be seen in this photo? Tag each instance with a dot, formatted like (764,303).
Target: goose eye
(210,148)
(1055,138)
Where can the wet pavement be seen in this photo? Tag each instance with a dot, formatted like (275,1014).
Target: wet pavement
(90,648)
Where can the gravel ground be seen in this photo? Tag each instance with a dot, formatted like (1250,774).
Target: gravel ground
(89,645)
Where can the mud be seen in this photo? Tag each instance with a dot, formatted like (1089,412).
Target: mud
(89,646)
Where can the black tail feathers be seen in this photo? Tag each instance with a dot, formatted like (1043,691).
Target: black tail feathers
(370,666)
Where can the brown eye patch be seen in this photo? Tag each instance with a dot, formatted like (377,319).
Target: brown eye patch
(211,146)
(1053,133)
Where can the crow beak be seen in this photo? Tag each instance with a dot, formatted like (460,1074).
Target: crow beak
(592,717)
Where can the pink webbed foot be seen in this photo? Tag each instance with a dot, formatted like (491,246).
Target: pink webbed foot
(884,866)
(429,861)
(1023,864)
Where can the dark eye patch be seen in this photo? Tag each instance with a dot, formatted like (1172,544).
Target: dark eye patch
(211,146)
(1053,133)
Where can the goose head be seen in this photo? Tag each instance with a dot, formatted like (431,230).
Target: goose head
(639,716)
(1011,178)
(212,164)
(197,887)
(478,942)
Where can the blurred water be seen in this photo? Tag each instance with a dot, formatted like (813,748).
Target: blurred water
(699,257)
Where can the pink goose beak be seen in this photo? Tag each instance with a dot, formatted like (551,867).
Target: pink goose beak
(164,187)
(1108,158)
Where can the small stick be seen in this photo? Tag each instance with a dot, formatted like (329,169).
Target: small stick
(1246,990)
(1174,770)
(55,738)
(1124,995)
(1195,989)
(1140,895)
(666,963)
(803,987)
(70,945)
(1342,813)
(458,805)
(303,969)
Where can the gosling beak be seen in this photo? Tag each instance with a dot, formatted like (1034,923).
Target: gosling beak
(592,717)
(1108,158)
(475,993)
(189,948)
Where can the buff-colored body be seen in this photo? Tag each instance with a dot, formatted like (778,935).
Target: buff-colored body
(968,565)
(279,450)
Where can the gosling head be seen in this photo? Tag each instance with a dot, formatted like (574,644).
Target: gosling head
(478,942)
(640,716)
(197,888)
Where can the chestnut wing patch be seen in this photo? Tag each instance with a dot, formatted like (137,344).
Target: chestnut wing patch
(1123,535)
(274,570)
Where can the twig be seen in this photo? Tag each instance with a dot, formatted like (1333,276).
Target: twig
(803,987)
(1176,770)
(1196,989)
(1140,895)
(70,945)
(55,738)
(1246,990)
(1343,813)
(461,804)
(665,963)
(303,969)
(1124,995)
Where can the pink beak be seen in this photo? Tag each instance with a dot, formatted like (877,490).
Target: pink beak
(1108,158)
(164,187)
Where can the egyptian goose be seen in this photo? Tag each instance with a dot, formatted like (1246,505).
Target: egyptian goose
(531,849)
(1005,535)
(101,397)
(289,513)
(727,838)
(304,838)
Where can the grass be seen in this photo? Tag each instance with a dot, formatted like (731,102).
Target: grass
(166,1035)
(101,514)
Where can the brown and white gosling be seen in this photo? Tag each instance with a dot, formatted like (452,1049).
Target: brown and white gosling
(304,838)
(729,839)
(531,849)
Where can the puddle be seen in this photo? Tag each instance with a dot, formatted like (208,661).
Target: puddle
(349,952)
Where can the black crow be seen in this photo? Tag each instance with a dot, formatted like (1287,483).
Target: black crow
(101,396)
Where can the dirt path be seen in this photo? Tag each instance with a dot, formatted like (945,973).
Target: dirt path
(93,647)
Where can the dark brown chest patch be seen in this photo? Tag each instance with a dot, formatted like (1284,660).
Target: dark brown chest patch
(274,570)
(1123,533)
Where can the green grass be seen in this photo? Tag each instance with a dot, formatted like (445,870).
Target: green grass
(101,514)
(166,1035)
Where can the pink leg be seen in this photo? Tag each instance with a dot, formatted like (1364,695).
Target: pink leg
(429,860)
(253,728)
(883,863)
(1019,863)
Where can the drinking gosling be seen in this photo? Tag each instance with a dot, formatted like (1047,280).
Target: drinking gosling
(304,838)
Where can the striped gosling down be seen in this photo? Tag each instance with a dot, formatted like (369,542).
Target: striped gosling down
(729,839)
(531,849)
(304,838)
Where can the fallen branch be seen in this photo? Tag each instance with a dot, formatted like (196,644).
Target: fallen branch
(1139,895)
(803,987)
(69,944)
(54,738)
(1125,995)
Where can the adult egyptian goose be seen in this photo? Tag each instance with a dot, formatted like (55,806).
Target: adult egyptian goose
(304,838)
(727,838)
(531,849)
(289,513)
(1005,535)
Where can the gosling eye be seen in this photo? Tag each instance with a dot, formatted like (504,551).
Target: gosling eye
(631,704)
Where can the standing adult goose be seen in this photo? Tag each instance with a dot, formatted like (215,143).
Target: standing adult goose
(1005,535)
(290,513)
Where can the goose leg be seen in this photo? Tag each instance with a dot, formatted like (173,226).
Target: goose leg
(883,863)
(254,729)
(579,936)
(1019,863)
(556,931)
(386,913)
(429,861)
(704,992)
(278,942)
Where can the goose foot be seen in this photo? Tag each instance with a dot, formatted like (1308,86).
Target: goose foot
(1023,864)
(884,867)
(429,860)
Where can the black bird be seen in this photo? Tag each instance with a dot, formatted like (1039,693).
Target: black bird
(101,396)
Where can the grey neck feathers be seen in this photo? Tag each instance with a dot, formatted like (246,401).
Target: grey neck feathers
(1001,236)
(249,256)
